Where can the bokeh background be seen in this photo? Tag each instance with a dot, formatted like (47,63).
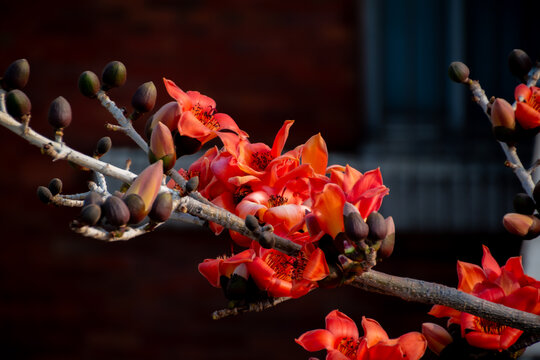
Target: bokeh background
(369,75)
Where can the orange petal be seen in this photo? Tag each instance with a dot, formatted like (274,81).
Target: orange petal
(527,116)
(281,138)
(413,345)
(373,331)
(522,91)
(490,265)
(340,325)
(189,125)
(484,340)
(469,275)
(289,215)
(316,268)
(209,268)
(315,153)
(328,209)
(176,93)
(316,340)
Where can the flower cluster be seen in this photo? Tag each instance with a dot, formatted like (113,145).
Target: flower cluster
(342,341)
(294,193)
(507,285)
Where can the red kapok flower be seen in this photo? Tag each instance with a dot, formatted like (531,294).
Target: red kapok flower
(507,285)
(213,269)
(199,119)
(527,106)
(342,341)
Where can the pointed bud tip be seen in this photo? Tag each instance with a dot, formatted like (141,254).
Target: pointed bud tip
(517,224)
(144,98)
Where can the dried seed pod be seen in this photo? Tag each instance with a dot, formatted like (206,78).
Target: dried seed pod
(192,184)
(523,204)
(377,226)
(144,98)
(103,146)
(18,104)
(458,72)
(16,75)
(89,84)
(59,113)
(135,205)
(114,75)
(252,223)
(519,63)
(116,211)
(161,208)
(93,198)
(90,215)
(44,195)
(55,186)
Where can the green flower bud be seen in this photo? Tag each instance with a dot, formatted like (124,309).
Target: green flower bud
(144,98)
(90,215)
(89,84)
(55,186)
(161,208)
(519,63)
(18,104)
(458,72)
(16,75)
(59,113)
(116,211)
(114,75)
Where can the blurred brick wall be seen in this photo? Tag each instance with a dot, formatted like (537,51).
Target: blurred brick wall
(67,297)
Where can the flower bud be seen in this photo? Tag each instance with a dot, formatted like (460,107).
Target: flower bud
(519,63)
(252,223)
(192,184)
(458,72)
(16,75)
(116,211)
(523,204)
(161,208)
(162,147)
(114,75)
(502,114)
(93,198)
(144,98)
(147,184)
(44,194)
(526,226)
(312,224)
(355,227)
(136,208)
(437,337)
(377,226)
(168,114)
(103,146)
(90,215)
(59,113)
(387,245)
(18,104)
(186,145)
(89,84)
(55,186)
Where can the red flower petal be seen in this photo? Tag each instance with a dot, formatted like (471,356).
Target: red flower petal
(209,268)
(527,116)
(176,93)
(413,345)
(316,268)
(281,138)
(469,275)
(328,209)
(490,265)
(316,340)
(484,340)
(373,331)
(189,125)
(315,154)
(340,325)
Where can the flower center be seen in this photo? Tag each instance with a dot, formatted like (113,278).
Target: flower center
(276,200)
(348,347)
(287,267)
(260,160)
(241,192)
(490,327)
(206,116)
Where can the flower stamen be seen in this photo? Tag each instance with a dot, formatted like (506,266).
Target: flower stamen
(261,159)
(206,116)
(348,347)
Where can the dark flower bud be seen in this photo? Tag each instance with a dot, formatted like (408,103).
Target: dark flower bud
(458,72)
(252,223)
(387,245)
(377,226)
(89,84)
(161,208)
(93,198)
(55,186)
(144,98)
(192,184)
(18,104)
(519,63)
(16,75)
(103,146)
(116,211)
(44,194)
(90,215)
(114,75)
(186,145)
(135,205)
(355,227)
(523,204)
(59,113)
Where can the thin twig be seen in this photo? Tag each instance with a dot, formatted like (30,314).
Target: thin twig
(260,306)
(63,201)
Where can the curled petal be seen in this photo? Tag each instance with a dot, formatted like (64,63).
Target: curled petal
(469,275)
(209,268)
(176,93)
(340,325)
(227,122)
(490,265)
(281,138)
(316,268)
(328,209)
(315,153)
(373,332)
(203,101)
(413,345)
(316,340)
(527,116)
